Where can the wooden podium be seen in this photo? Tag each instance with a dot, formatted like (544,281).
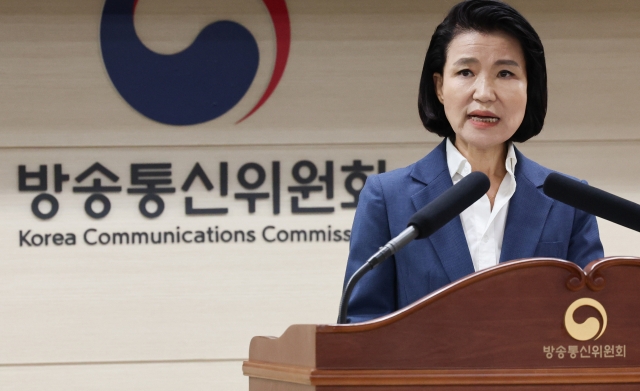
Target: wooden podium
(522,325)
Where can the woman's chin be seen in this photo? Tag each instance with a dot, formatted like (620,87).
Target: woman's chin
(480,141)
(483,138)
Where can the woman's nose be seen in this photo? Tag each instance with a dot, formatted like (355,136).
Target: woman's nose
(484,90)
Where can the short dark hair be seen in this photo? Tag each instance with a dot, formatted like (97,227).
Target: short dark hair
(485,16)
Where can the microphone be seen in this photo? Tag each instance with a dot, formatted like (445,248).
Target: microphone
(422,224)
(449,204)
(593,201)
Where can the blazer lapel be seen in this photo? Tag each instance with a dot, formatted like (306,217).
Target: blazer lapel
(449,241)
(528,211)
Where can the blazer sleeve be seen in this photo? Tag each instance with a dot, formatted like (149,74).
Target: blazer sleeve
(375,294)
(584,244)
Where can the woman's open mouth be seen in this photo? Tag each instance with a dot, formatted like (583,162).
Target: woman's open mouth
(484,119)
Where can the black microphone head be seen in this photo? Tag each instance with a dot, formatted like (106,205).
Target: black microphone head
(593,200)
(450,204)
(560,187)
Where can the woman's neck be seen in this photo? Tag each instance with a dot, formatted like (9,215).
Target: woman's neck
(490,161)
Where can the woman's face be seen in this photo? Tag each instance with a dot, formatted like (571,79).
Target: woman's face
(483,88)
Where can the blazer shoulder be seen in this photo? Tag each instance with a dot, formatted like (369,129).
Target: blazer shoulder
(535,172)
(422,172)
(395,177)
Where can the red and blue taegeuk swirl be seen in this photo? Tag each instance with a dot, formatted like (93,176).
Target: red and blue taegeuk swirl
(198,84)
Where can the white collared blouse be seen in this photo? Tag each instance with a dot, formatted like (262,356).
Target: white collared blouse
(484,227)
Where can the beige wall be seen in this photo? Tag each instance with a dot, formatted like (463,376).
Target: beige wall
(181,317)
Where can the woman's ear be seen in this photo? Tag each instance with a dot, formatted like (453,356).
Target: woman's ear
(437,81)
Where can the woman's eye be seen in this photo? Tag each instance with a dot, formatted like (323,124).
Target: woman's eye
(505,73)
(465,73)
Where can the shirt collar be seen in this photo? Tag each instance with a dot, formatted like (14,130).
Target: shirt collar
(458,164)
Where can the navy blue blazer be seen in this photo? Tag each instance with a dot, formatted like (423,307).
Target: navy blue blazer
(536,226)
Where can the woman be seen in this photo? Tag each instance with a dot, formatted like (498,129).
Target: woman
(484,86)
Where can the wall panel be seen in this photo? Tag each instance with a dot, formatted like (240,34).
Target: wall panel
(180,316)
